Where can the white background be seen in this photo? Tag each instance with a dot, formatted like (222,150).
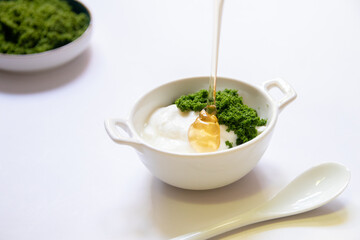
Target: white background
(61,177)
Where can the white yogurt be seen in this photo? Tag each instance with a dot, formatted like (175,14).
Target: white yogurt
(168,127)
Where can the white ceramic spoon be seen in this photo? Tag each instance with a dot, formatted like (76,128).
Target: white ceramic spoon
(312,189)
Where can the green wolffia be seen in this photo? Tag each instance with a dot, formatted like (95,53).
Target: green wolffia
(34,26)
(231,112)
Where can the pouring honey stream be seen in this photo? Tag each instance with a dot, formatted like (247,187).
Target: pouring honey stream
(204,133)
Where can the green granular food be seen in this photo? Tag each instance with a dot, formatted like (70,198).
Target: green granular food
(33,26)
(231,112)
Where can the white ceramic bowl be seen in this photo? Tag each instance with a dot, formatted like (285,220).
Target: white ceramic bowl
(51,58)
(199,171)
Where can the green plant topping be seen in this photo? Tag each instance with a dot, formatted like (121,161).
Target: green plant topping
(231,112)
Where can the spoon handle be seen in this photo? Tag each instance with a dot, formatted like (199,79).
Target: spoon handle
(245,219)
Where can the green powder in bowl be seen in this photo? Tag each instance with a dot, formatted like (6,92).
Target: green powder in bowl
(231,112)
(35,26)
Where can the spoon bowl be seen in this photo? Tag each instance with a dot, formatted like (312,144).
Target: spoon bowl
(312,189)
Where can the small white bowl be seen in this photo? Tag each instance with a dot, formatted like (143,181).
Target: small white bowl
(51,58)
(200,171)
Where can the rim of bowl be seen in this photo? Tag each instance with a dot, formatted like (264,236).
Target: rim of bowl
(253,141)
(51,51)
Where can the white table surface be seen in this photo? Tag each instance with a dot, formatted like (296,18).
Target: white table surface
(61,177)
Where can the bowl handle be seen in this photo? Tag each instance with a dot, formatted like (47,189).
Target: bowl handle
(111,126)
(285,88)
